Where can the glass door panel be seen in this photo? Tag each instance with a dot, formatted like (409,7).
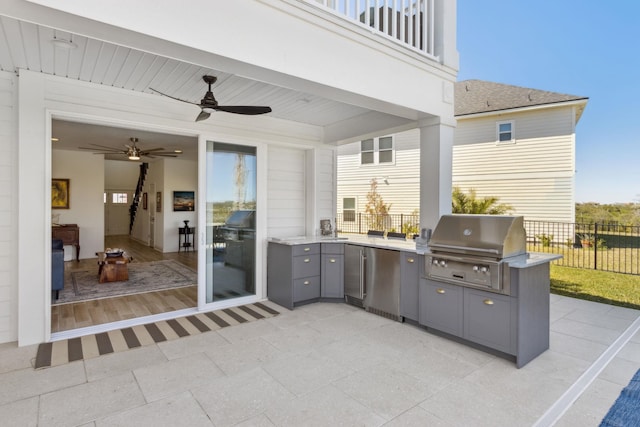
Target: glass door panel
(231,217)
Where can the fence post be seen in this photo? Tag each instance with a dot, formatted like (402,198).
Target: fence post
(595,246)
(359,222)
(401,223)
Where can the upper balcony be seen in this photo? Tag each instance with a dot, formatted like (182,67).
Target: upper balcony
(411,23)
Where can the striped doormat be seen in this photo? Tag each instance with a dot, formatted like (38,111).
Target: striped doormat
(90,346)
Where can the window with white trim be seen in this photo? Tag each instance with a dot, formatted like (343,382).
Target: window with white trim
(349,209)
(505,132)
(118,198)
(377,151)
(366,152)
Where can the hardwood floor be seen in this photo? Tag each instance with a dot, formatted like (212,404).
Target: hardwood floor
(65,317)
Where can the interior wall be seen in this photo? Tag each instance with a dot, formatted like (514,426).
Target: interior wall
(120,175)
(179,175)
(86,206)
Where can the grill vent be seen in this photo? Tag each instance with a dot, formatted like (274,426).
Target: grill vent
(353,301)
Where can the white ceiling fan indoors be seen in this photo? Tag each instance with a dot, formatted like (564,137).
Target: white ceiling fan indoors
(133,152)
(209,104)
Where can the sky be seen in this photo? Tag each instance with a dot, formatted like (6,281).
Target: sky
(579,47)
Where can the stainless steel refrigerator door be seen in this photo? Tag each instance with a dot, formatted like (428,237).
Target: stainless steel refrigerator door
(383,281)
(353,271)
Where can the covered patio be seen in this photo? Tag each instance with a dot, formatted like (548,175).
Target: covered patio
(334,364)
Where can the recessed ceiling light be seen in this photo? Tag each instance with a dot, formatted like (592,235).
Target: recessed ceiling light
(177,151)
(55,139)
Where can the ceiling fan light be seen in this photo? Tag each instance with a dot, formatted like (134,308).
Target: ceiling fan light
(208,110)
(134,157)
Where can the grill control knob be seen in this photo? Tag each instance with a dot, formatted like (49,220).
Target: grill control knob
(475,268)
(483,269)
(435,261)
(443,263)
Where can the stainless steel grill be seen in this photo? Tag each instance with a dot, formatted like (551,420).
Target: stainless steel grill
(475,250)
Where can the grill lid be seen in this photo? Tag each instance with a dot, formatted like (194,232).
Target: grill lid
(241,219)
(497,236)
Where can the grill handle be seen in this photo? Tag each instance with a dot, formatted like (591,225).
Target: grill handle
(464,249)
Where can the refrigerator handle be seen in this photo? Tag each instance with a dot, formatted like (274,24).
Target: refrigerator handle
(363,262)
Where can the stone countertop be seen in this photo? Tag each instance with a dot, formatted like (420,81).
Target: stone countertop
(533,258)
(361,240)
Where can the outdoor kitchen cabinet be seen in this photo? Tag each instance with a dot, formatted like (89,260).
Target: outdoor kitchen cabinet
(441,306)
(409,283)
(516,324)
(293,273)
(332,270)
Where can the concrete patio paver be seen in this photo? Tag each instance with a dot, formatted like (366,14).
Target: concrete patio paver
(326,364)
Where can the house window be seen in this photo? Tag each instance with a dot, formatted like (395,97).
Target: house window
(366,152)
(376,150)
(349,209)
(117,198)
(505,131)
(385,150)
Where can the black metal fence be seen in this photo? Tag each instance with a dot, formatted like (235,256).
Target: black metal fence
(607,247)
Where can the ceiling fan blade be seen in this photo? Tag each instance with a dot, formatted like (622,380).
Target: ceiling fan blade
(101,147)
(161,155)
(173,97)
(153,149)
(243,109)
(202,116)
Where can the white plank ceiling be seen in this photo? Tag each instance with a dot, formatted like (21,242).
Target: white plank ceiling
(24,45)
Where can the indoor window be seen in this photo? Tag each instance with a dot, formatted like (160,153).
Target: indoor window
(119,198)
(349,209)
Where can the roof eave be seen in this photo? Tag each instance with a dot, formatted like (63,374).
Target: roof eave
(580,102)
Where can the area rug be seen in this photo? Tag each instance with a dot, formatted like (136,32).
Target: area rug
(626,410)
(143,277)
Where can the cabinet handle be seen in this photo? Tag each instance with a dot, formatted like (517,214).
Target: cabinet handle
(307,249)
(307,260)
(410,260)
(488,302)
(306,282)
(332,260)
(440,291)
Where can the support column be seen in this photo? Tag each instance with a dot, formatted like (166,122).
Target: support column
(436,153)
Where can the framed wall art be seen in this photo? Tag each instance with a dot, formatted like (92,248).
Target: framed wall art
(184,201)
(59,193)
(159,201)
(144,201)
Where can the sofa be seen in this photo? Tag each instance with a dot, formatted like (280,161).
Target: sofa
(57,266)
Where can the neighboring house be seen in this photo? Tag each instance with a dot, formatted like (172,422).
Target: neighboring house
(514,143)
(329,78)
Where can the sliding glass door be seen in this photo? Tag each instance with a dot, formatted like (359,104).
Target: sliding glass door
(231,221)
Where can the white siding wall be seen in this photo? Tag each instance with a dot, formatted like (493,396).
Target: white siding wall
(535,175)
(286,192)
(354,179)
(8,216)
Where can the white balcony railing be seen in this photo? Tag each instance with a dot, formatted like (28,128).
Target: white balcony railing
(410,22)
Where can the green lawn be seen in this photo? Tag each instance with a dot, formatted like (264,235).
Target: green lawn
(600,286)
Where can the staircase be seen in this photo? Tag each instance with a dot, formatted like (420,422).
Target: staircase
(138,195)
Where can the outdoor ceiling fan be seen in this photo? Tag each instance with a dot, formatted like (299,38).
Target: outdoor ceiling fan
(208,104)
(133,152)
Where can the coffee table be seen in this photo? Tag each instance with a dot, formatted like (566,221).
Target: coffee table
(113,269)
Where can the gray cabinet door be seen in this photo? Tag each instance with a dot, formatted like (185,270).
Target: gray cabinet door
(306,288)
(441,306)
(332,276)
(488,320)
(409,283)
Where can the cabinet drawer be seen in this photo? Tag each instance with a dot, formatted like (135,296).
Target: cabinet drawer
(441,306)
(299,250)
(488,320)
(333,248)
(306,265)
(306,288)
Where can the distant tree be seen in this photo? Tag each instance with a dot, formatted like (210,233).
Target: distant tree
(376,208)
(462,203)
